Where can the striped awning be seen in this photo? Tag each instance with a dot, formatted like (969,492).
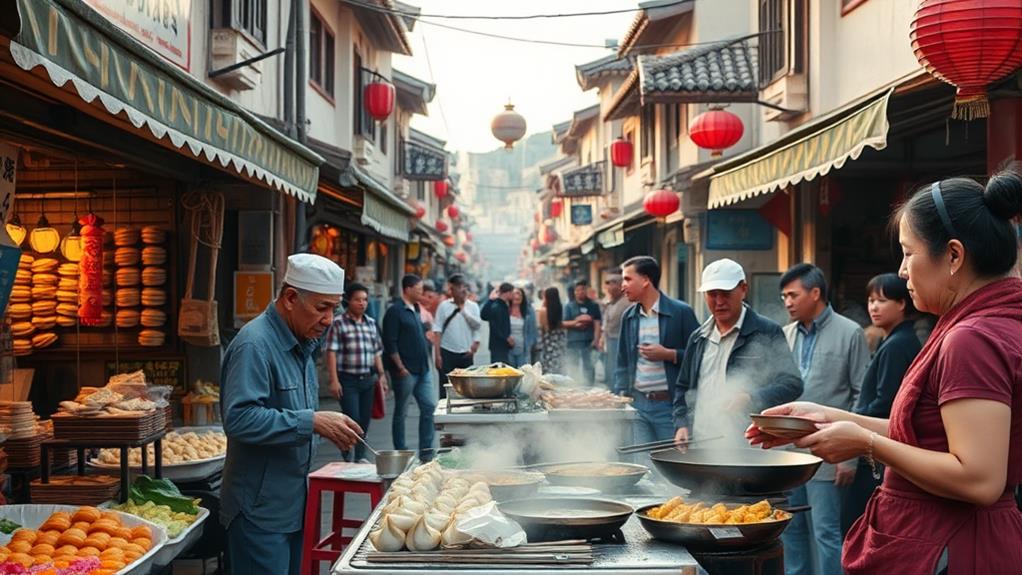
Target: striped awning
(807,152)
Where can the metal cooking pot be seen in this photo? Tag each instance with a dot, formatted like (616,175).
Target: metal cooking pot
(736,471)
(712,537)
(562,474)
(391,463)
(484,386)
(560,518)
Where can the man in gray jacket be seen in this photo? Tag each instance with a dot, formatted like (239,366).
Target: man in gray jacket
(832,356)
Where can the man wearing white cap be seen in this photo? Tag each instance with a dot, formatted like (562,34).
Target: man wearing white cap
(736,363)
(269,396)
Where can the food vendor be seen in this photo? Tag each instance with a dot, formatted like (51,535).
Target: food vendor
(270,393)
(953,442)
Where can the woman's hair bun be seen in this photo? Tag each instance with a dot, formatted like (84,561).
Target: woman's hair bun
(1003,193)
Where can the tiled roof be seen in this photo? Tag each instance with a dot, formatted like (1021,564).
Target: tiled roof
(727,68)
(611,65)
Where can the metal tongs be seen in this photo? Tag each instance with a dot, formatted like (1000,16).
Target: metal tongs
(664,444)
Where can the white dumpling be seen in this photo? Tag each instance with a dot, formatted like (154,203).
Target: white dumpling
(403,519)
(415,507)
(438,519)
(452,537)
(422,537)
(482,498)
(387,537)
(479,486)
(466,504)
(446,502)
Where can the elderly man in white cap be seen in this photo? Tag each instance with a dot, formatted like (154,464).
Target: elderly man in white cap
(736,363)
(269,397)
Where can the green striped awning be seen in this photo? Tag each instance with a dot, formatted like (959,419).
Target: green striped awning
(803,154)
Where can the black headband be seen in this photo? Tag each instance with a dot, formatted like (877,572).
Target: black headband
(938,201)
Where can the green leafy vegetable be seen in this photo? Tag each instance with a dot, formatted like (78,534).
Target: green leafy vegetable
(8,527)
(161,492)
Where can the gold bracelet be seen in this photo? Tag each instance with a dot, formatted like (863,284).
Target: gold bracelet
(869,456)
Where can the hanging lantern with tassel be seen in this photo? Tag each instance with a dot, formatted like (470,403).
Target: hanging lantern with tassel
(969,44)
(44,238)
(16,231)
(508,126)
(71,245)
(715,130)
(661,203)
(379,99)
(90,279)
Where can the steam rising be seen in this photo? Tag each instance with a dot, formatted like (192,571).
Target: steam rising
(498,447)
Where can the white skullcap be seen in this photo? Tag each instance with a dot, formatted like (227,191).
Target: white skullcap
(315,274)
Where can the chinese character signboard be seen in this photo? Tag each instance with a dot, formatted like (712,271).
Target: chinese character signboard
(10,254)
(581,215)
(584,181)
(253,291)
(423,163)
(163,26)
(738,230)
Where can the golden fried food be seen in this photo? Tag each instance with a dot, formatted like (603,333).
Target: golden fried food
(677,511)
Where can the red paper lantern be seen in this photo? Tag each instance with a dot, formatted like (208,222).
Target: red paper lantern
(441,226)
(534,244)
(661,203)
(440,189)
(90,279)
(550,236)
(969,44)
(420,210)
(621,153)
(556,207)
(715,130)
(452,211)
(379,100)
(449,240)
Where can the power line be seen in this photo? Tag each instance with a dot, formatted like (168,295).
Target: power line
(432,78)
(409,14)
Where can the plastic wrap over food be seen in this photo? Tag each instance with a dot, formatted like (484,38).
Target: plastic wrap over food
(487,526)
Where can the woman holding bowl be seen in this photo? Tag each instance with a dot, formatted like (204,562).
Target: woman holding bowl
(952,445)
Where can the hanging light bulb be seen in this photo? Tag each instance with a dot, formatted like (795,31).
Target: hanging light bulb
(44,239)
(71,245)
(15,230)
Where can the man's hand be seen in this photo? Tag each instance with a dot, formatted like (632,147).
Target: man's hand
(439,362)
(584,320)
(475,348)
(681,437)
(844,474)
(740,402)
(336,427)
(382,382)
(335,388)
(598,344)
(655,352)
(403,372)
(495,293)
(510,342)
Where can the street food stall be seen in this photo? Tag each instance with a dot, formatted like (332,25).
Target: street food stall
(706,510)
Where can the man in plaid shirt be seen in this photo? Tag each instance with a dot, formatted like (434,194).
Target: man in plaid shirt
(354,361)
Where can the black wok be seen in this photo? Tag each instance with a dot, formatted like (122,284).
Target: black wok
(712,537)
(736,471)
(562,518)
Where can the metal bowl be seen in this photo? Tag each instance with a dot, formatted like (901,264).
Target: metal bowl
(786,426)
(712,537)
(560,474)
(509,484)
(391,463)
(485,386)
(736,471)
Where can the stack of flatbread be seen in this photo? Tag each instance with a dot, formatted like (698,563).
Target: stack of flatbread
(17,420)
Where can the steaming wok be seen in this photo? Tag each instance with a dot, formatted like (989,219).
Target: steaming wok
(736,471)
(712,537)
(561,518)
(606,476)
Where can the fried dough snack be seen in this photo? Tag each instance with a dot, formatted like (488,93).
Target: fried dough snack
(677,511)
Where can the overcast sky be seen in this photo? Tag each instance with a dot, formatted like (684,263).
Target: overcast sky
(476,75)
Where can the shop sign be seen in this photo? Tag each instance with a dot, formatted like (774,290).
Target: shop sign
(422,163)
(582,215)
(738,230)
(10,254)
(253,292)
(169,372)
(584,181)
(164,26)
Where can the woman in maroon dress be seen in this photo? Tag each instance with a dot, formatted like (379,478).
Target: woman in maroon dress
(953,443)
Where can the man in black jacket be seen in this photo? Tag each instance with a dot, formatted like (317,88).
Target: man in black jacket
(497,311)
(406,358)
(738,362)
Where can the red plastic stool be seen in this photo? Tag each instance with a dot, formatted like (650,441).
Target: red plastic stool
(340,478)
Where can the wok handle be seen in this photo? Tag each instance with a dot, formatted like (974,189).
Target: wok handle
(664,444)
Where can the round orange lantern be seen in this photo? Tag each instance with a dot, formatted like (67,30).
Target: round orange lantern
(440,189)
(441,226)
(449,240)
(508,126)
(715,130)
(379,100)
(969,44)
(452,211)
(90,279)
(556,207)
(661,203)
(621,153)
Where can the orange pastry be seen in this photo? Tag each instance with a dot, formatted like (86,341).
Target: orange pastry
(73,536)
(88,552)
(134,548)
(123,533)
(83,525)
(29,535)
(131,557)
(112,515)
(42,549)
(62,562)
(55,523)
(87,514)
(20,546)
(143,542)
(113,564)
(98,540)
(42,559)
(48,537)
(141,531)
(24,559)
(68,550)
(108,526)
(117,543)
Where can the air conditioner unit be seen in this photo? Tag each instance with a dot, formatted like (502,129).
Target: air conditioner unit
(363,151)
(228,47)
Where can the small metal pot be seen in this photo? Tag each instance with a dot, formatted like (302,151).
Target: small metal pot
(391,463)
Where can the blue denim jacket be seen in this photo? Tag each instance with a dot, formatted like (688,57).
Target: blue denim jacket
(677,323)
(268,393)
